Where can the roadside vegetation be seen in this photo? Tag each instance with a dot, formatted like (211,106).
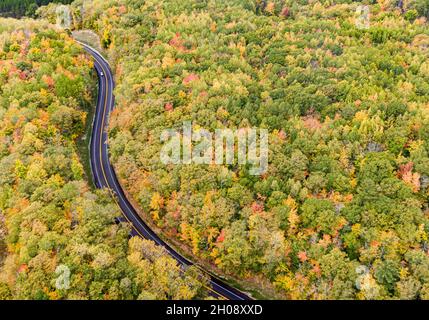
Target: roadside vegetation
(50,218)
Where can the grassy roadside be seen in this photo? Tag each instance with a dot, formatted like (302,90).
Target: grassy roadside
(83,142)
(90,38)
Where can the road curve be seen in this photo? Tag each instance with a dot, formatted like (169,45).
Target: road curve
(105,176)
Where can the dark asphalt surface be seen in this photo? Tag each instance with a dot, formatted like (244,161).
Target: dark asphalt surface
(105,177)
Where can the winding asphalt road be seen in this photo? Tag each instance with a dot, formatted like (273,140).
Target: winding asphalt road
(105,177)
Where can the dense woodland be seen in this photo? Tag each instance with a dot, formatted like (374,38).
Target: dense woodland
(19,8)
(49,216)
(343,211)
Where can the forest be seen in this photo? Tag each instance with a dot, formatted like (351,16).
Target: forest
(342,212)
(19,8)
(59,239)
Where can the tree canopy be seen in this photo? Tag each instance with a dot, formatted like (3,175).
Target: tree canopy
(19,8)
(342,212)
